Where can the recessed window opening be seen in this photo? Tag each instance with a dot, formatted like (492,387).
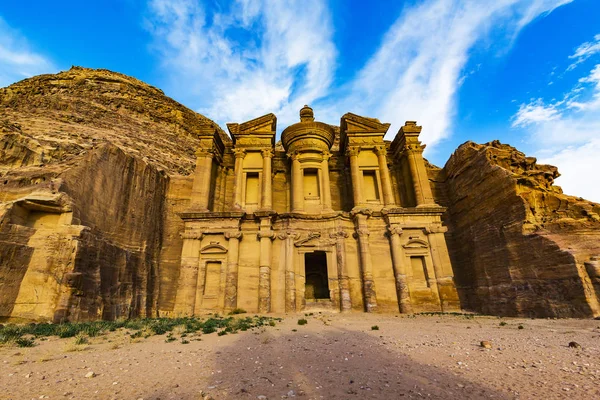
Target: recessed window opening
(419,270)
(371,188)
(311,183)
(252,188)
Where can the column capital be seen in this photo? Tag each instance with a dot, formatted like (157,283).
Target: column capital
(361,211)
(233,235)
(394,230)
(288,234)
(338,235)
(205,153)
(361,233)
(267,153)
(267,234)
(352,151)
(191,235)
(239,153)
(326,156)
(381,149)
(413,147)
(435,229)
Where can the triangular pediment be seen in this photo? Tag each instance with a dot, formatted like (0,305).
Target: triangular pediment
(265,124)
(352,123)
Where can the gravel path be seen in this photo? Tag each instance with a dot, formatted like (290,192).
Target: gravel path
(333,356)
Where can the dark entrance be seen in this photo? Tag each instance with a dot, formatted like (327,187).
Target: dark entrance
(315,267)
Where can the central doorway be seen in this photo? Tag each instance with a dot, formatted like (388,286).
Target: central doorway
(317,282)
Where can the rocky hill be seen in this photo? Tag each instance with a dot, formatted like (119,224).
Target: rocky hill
(518,245)
(86,160)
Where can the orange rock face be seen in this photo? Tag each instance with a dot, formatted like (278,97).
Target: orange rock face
(518,245)
(110,194)
(85,163)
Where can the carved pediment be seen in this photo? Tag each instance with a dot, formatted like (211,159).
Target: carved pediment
(213,248)
(416,244)
(311,240)
(265,125)
(352,123)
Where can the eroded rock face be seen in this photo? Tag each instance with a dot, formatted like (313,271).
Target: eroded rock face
(518,245)
(86,159)
(98,169)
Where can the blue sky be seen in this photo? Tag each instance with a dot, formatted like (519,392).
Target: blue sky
(526,72)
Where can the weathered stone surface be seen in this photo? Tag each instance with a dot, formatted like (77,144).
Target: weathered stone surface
(116,201)
(518,245)
(86,158)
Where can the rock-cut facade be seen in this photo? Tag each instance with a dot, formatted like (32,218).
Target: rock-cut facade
(118,202)
(329,218)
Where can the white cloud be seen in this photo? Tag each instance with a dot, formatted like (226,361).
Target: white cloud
(254,58)
(418,68)
(585,51)
(566,133)
(578,165)
(17,60)
(535,112)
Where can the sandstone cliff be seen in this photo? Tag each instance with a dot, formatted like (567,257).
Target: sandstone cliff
(518,245)
(86,160)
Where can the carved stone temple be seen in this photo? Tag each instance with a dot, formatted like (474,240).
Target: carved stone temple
(334,218)
(118,202)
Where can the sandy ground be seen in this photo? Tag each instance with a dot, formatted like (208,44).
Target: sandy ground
(332,357)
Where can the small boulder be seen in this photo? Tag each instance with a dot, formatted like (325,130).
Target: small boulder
(485,344)
(574,345)
(90,374)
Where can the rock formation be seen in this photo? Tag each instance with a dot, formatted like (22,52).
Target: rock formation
(85,163)
(102,184)
(518,245)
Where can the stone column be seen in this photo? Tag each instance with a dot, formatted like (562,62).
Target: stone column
(267,193)
(185,299)
(238,177)
(290,273)
(297,185)
(356,175)
(202,176)
(231,279)
(444,281)
(326,184)
(265,235)
(344,281)
(362,234)
(384,173)
(398,262)
(418,172)
(200,279)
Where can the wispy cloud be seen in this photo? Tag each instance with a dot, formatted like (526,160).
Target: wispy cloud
(567,133)
(534,113)
(585,51)
(419,66)
(271,56)
(17,60)
(250,59)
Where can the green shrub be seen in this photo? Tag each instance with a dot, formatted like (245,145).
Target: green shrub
(302,321)
(237,311)
(81,339)
(502,323)
(24,342)
(374,328)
